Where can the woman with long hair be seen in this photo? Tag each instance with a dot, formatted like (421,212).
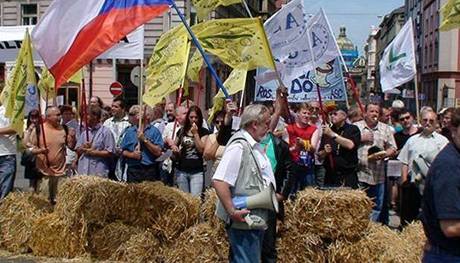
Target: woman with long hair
(188,152)
(28,158)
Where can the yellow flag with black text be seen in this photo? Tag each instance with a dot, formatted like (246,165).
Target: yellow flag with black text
(203,7)
(236,41)
(235,82)
(166,70)
(450,15)
(21,78)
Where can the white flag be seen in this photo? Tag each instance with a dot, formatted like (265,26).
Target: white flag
(289,34)
(398,61)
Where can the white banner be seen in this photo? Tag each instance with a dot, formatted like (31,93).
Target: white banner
(131,47)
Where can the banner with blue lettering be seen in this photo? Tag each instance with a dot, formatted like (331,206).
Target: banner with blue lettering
(328,77)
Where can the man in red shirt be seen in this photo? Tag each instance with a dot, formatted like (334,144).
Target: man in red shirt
(303,138)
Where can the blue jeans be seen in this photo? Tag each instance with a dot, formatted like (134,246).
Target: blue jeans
(245,245)
(377,193)
(190,182)
(7,174)
(436,255)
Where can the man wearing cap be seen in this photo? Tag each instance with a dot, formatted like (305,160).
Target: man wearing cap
(341,141)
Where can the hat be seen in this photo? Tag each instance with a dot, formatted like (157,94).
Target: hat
(397,104)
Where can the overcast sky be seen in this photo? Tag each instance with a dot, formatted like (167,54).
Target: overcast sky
(357,15)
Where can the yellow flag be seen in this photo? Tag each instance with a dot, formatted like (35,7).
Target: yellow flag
(76,78)
(203,7)
(194,66)
(235,82)
(46,84)
(22,77)
(450,15)
(217,105)
(236,41)
(166,70)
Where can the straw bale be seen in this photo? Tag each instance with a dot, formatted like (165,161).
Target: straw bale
(380,244)
(53,237)
(166,210)
(209,208)
(200,243)
(331,214)
(142,247)
(17,213)
(415,239)
(105,241)
(95,199)
(295,245)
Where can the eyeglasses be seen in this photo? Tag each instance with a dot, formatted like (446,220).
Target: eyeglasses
(404,118)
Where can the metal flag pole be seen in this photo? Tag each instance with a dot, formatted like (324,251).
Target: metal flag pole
(240,109)
(205,57)
(417,103)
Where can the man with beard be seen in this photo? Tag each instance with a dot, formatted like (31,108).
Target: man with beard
(170,109)
(341,141)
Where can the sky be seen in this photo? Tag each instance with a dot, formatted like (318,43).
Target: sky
(356,15)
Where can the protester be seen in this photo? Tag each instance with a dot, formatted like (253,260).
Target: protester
(96,101)
(69,121)
(417,154)
(28,159)
(117,124)
(95,151)
(212,150)
(7,155)
(244,163)
(188,153)
(156,118)
(377,143)
(170,110)
(140,148)
(340,150)
(441,202)
(446,126)
(303,140)
(316,120)
(51,157)
(355,114)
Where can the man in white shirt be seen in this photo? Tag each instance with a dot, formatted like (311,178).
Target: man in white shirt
(117,124)
(244,171)
(7,155)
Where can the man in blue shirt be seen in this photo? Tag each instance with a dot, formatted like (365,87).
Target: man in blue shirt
(441,201)
(140,149)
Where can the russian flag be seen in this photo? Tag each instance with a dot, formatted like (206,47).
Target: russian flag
(73,32)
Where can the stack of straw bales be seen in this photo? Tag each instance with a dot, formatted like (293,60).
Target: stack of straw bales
(18,212)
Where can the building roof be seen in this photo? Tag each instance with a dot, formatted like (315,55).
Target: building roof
(344,42)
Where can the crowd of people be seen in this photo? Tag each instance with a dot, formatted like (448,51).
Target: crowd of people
(384,151)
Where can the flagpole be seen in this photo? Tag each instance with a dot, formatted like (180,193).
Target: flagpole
(205,57)
(352,82)
(84,105)
(40,119)
(247,8)
(244,87)
(417,103)
(141,93)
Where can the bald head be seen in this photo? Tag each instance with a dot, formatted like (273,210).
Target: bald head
(181,113)
(53,116)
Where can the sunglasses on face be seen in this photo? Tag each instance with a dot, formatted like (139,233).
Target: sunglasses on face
(404,118)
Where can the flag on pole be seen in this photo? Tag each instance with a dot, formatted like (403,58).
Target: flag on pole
(166,70)
(46,83)
(194,66)
(203,7)
(289,34)
(236,41)
(235,81)
(72,33)
(398,64)
(450,15)
(22,78)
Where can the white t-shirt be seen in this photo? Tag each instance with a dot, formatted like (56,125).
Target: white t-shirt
(7,142)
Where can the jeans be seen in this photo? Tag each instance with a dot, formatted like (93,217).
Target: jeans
(437,255)
(320,175)
(377,193)
(7,174)
(269,244)
(305,177)
(49,184)
(245,245)
(190,182)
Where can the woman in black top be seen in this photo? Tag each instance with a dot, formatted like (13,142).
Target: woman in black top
(189,153)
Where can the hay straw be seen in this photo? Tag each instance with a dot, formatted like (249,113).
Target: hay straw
(415,238)
(166,210)
(294,245)
(17,213)
(200,243)
(53,237)
(143,247)
(380,244)
(331,214)
(105,241)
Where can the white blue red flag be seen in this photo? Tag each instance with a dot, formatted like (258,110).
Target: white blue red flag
(73,32)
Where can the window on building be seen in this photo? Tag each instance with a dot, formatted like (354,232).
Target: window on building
(29,14)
